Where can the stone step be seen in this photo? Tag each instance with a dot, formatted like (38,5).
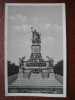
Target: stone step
(36,80)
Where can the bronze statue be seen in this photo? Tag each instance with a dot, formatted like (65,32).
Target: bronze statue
(36,36)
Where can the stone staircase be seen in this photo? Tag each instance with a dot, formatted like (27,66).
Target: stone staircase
(35,80)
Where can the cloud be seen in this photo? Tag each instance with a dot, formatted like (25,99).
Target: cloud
(35,19)
(21,17)
(18,18)
(48,39)
(48,26)
(24,28)
(11,17)
(50,30)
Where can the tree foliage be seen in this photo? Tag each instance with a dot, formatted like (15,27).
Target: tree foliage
(12,68)
(58,68)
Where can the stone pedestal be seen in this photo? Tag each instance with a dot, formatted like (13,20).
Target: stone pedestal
(45,74)
(26,74)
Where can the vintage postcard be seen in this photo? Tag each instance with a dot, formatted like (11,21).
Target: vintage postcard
(35,49)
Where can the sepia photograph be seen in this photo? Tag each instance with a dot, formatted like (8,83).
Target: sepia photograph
(35,49)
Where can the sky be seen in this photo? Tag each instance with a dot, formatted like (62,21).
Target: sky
(47,19)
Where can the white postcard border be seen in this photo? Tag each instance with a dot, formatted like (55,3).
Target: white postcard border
(64,51)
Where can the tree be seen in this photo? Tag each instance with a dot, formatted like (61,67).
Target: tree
(12,68)
(58,68)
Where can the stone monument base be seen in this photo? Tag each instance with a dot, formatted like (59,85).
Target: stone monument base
(36,70)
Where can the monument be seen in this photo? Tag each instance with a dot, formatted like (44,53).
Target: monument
(35,74)
(36,64)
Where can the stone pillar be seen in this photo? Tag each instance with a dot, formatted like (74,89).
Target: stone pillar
(26,74)
(45,74)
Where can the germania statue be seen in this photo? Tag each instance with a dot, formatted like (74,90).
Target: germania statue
(36,36)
